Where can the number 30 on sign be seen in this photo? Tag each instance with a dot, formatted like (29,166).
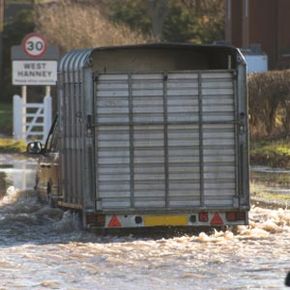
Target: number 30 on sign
(34,45)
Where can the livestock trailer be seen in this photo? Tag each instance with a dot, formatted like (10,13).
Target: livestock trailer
(154,135)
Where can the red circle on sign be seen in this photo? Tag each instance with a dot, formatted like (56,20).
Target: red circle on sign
(34,45)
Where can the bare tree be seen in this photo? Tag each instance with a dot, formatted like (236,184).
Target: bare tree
(158,10)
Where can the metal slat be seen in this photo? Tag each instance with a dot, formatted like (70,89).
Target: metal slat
(143,186)
(201,141)
(148,102)
(112,194)
(217,91)
(180,203)
(150,202)
(115,203)
(217,75)
(113,94)
(131,139)
(112,77)
(114,186)
(146,77)
(142,86)
(147,93)
(183,92)
(149,194)
(112,169)
(181,101)
(166,150)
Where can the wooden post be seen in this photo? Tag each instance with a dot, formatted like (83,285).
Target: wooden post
(17,117)
(24,102)
(47,91)
(47,111)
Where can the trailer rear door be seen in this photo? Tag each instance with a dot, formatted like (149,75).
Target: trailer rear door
(166,140)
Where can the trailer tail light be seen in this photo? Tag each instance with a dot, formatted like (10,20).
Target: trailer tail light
(100,220)
(233,216)
(95,219)
(203,216)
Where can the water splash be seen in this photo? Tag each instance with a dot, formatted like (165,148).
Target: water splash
(70,222)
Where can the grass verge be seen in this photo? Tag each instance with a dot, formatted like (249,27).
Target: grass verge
(261,195)
(11,146)
(271,153)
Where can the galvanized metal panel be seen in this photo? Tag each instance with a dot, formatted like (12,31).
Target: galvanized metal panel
(148,140)
(156,175)
(71,109)
(219,169)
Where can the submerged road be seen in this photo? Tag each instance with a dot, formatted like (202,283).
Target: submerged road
(44,248)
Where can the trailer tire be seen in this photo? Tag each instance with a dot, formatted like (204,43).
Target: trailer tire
(50,200)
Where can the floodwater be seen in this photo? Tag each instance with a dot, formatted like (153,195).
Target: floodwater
(43,248)
(273,180)
(17,171)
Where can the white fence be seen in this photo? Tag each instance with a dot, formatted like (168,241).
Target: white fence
(31,121)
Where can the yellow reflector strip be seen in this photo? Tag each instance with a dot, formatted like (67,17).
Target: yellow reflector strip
(165,220)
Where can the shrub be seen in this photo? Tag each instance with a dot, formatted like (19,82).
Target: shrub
(269,94)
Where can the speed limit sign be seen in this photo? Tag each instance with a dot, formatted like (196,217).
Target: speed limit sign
(34,45)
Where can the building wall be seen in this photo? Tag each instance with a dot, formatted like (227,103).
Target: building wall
(236,27)
(268,24)
(283,34)
(263,26)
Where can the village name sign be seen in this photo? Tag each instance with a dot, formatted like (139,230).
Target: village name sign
(34,62)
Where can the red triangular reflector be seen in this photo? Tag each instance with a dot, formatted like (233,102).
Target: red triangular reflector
(216,220)
(114,222)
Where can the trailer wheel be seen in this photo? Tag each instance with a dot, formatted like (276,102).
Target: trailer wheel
(37,192)
(51,201)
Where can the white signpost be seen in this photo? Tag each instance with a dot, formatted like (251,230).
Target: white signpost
(34,63)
